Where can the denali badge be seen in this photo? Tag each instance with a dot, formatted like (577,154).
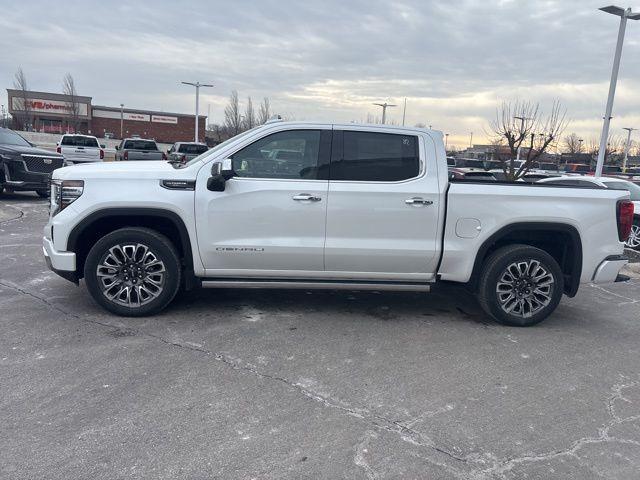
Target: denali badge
(239,249)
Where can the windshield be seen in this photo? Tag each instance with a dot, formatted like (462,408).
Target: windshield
(78,141)
(140,145)
(632,188)
(7,137)
(192,148)
(220,146)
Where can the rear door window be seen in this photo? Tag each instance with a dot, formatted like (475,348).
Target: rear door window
(376,157)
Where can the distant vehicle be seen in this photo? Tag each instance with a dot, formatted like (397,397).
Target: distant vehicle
(451,162)
(578,168)
(24,167)
(609,183)
(138,149)
(469,163)
(77,148)
(471,174)
(108,135)
(548,167)
(185,151)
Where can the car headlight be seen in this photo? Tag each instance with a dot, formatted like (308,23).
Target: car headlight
(64,193)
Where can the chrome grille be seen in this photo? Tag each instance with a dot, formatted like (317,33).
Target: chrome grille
(41,163)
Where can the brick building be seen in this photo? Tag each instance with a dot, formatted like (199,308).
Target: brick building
(52,113)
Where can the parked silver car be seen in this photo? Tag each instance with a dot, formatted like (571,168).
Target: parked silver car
(138,149)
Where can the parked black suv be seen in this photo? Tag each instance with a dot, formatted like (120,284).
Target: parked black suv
(25,167)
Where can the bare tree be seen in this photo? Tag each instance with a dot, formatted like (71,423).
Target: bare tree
(25,117)
(73,106)
(265,111)
(523,126)
(572,144)
(232,117)
(613,152)
(249,115)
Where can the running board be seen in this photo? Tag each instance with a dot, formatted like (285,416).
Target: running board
(316,285)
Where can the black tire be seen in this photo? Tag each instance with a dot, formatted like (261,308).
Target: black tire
(43,193)
(539,303)
(156,244)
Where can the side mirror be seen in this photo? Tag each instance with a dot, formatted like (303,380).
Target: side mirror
(102,145)
(220,173)
(452,176)
(117,147)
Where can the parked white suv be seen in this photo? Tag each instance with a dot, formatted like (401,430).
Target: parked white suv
(76,148)
(358,207)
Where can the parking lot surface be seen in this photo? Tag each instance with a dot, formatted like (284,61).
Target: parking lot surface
(295,384)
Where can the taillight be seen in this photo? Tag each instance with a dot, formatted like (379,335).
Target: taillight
(625,219)
(126,155)
(101,154)
(59,149)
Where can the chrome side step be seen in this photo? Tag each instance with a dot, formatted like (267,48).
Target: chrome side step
(316,285)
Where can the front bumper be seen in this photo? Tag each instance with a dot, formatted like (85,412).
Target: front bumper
(17,177)
(607,271)
(62,263)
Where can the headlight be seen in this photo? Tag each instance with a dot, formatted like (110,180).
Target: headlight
(64,193)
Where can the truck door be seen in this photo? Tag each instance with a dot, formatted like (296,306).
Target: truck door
(270,220)
(382,216)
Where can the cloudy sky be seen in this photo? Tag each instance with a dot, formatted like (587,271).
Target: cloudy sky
(329,60)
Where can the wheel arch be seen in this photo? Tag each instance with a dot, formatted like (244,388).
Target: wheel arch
(84,235)
(560,240)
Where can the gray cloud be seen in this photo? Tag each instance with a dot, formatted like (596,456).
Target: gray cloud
(329,60)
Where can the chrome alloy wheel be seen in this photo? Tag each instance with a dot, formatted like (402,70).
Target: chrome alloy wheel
(131,275)
(524,288)
(634,237)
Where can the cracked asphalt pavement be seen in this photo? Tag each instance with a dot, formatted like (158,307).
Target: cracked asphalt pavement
(294,384)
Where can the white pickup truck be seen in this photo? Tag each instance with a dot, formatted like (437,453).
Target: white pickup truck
(349,207)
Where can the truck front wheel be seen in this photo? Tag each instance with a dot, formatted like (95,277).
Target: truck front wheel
(133,272)
(520,285)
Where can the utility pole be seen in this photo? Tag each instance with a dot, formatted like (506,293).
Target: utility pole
(208,116)
(624,15)
(121,120)
(384,109)
(197,85)
(404,111)
(626,148)
(446,141)
(471,141)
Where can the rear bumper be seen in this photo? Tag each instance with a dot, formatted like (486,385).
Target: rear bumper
(607,271)
(62,263)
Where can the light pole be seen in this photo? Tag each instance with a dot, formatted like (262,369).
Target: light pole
(522,120)
(446,141)
(197,85)
(471,141)
(384,109)
(626,148)
(624,15)
(404,111)
(121,120)
(580,140)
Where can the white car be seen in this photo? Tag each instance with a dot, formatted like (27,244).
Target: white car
(359,207)
(76,148)
(610,183)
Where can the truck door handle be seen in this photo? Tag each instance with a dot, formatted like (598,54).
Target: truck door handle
(302,197)
(418,201)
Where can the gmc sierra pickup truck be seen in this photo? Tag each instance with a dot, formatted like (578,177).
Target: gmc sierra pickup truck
(357,207)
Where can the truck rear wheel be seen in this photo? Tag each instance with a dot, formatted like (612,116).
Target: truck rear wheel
(133,272)
(520,285)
